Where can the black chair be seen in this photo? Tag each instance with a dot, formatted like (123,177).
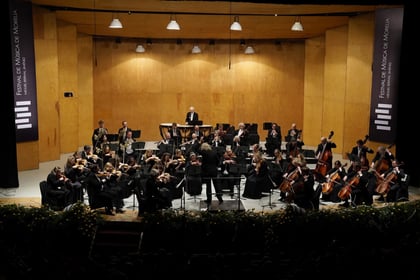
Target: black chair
(194,184)
(95,202)
(48,200)
(253,139)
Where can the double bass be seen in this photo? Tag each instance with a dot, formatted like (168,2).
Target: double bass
(323,164)
(363,159)
(383,164)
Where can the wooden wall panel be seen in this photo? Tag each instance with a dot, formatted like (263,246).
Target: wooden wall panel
(84,115)
(314,91)
(159,86)
(46,67)
(335,84)
(67,75)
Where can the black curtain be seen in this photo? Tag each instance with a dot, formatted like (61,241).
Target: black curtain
(7,107)
(406,142)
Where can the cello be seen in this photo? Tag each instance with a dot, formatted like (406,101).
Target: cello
(334,177)
(346,191)
(323,164)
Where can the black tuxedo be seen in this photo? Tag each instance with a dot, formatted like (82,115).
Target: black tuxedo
(194,118)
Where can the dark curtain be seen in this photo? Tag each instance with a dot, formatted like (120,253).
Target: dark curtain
(408,108)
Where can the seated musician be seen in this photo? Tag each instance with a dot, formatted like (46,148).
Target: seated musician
(242,133)
(90,157)
(111,177)
(273,139)
(258,180)
(60,186)
(334,176)
(304,189)
(397,183)
(229,158)
(354,189)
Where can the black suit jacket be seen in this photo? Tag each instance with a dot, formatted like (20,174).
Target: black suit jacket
(188,117)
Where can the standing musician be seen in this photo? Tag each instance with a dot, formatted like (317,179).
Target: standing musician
(122,132)
(382,160)
(98,134)
(175,133)
(126,148)
(273,139)
(359,153)
(324,155)
(192,116)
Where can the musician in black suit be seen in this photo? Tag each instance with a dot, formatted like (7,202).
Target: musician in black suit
(273,139)
(175,133)
(98,134)
(359,153)
(192,116)
(122,132)
(209,169)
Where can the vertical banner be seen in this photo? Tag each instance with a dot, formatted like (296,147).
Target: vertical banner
(385,74)
(23,64)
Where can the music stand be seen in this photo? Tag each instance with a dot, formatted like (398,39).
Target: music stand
(267,125)
(166,148)
(114,147)
(138,145)
(112,137)
(237,170)
(136,133)
(270,204)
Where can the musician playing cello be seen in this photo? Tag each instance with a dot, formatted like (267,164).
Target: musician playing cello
(397,181)
(355,187)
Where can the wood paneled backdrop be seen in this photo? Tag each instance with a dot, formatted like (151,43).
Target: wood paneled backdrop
(322,84)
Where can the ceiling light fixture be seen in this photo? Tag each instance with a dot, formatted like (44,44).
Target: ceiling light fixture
(236,26)
(249,50)
(297,26)
(173,25)
(140,49)
(115,23)
(196,49)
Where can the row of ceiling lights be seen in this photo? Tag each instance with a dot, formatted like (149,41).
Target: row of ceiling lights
(173,25)
(196,48)
(235,26)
